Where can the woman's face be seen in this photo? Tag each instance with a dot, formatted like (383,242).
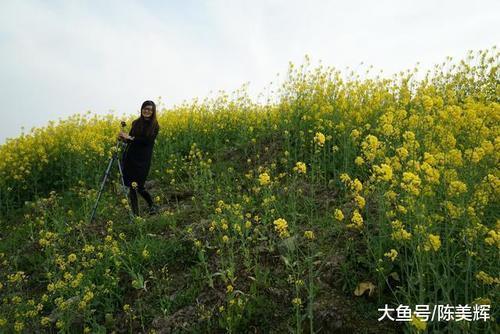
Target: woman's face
(147,112)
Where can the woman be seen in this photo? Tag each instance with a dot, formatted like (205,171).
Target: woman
(137,155)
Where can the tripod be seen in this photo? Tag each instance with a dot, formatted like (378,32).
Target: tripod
(113,158)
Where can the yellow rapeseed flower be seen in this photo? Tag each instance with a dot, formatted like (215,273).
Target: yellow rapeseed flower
(281,226)
(486,279)
(88,296)
(391,255)
(45,321)
(356,186)
(493,238)
(300,167)
(418,323)
(88,249)
(18,326)
(360,201)
(411,183)
(264,179)
(383,172)
(319,138)
(359,161)
(338,215)
(399,233)
(433,242)
(344,177)
(456,188)
(357,220)
(309,235)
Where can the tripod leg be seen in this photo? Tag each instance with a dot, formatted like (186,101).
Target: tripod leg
(106,173)
(124,187)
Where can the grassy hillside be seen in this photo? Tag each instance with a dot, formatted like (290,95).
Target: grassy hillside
(303,215)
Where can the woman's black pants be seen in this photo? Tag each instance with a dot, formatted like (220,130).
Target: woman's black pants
(134,200)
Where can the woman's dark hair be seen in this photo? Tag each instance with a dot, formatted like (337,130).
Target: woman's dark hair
(145,127)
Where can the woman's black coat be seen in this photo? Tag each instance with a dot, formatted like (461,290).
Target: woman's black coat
(136,159)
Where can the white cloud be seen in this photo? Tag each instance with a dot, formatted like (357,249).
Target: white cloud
(62,58)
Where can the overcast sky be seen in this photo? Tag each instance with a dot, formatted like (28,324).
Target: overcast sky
(59,58)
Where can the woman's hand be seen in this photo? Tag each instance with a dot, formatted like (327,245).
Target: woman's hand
(123,136)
